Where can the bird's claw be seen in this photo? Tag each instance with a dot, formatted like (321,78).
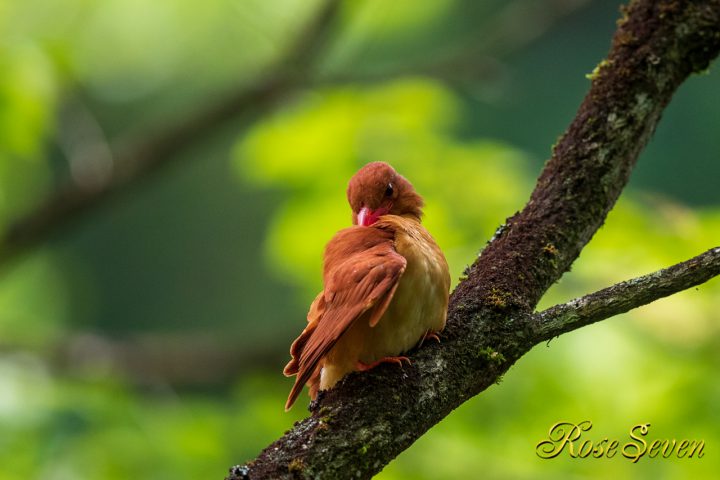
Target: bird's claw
(396,360)
(433,336)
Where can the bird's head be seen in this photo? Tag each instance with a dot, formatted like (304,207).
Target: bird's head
(376,190)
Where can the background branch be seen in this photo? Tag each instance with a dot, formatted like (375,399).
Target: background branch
(362,424)
(189,360)
(136,160)
(627,295)
(518,24)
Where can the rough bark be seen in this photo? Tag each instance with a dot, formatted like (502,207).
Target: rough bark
(362,424)
(625,296)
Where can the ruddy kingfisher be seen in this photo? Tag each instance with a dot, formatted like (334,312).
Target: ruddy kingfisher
(386,286)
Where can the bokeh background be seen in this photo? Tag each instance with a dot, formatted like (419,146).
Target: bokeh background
(144,336)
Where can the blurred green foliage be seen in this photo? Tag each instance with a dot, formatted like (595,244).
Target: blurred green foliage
(407,124)
(225,249)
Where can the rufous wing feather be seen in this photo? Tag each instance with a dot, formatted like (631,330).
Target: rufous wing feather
(362,269)
(317,308)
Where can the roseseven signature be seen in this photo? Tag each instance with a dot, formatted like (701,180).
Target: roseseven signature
(566,435)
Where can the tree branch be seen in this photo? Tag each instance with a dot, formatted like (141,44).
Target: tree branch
(367,419)
(185,360)
(627,295)
(137,160)
(517,24)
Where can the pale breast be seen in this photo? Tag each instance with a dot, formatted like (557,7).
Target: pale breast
(420,302)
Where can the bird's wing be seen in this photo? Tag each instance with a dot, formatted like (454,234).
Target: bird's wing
(317,308)
(362,269)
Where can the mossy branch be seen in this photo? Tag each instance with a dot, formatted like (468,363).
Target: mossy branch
(625,296)
(367,419)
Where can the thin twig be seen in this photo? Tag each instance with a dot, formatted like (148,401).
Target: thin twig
(626,296)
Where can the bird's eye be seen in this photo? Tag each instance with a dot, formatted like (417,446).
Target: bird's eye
(389,190)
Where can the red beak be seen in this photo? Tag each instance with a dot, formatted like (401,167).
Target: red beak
(367,217)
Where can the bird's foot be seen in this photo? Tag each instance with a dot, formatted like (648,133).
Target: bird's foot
(396,360)
(429,334)
(432,335)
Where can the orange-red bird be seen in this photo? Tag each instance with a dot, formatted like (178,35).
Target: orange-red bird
(386,286)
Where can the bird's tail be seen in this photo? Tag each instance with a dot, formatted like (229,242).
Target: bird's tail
(313,383)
